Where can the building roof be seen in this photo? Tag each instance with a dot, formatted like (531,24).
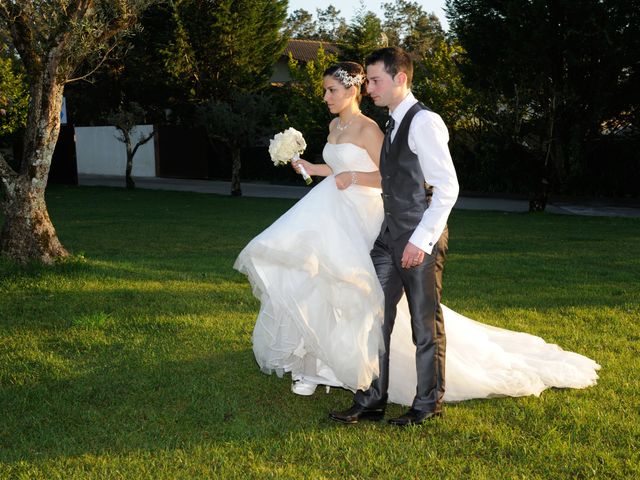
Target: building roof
(305,50)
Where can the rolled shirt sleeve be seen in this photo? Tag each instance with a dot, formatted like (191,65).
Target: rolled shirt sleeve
(428,139)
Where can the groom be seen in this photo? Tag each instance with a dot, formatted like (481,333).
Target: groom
(419,189)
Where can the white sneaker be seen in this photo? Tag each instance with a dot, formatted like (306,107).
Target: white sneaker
(302,387)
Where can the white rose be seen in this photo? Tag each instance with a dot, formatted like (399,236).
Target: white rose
(284,146)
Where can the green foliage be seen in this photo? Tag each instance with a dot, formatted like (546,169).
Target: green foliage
(37,27)
(14,97)
(50,36)
(331,26)
(551,74)
(438,84)
(126,117)
(437,79)
(136,73)
(146,80)
(328,26)
(136,363)
(300,24)
(226,45)
(242,121)
(364,35)
(408,26)
(222,54)
(307,111)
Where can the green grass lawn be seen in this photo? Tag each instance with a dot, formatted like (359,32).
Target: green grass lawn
(134,360)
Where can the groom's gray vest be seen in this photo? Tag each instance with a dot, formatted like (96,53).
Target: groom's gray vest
(405,194)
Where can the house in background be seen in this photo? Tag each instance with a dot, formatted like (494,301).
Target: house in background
(302,51)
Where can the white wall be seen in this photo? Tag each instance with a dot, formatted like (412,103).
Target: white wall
(281,73)
(99,152)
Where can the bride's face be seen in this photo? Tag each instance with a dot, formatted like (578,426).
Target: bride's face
(336,96)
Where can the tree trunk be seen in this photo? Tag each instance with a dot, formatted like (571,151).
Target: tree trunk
(538,199)
(27,233)
(129,179)
(549,143)
(125,131)
(236,191)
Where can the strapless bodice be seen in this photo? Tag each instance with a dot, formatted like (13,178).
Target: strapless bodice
(343,157)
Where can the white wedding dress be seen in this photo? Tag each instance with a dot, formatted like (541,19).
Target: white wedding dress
(322,305)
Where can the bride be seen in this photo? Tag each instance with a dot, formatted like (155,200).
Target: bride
(321,302)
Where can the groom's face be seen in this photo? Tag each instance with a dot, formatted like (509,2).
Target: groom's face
(380,85)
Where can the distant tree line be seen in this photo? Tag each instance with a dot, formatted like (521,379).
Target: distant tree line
(556,88)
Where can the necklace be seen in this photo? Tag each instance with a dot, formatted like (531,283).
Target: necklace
(341,127)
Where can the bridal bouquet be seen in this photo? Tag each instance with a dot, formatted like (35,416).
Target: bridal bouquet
(287,146)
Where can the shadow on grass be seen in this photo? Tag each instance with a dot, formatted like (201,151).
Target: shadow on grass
(133,404)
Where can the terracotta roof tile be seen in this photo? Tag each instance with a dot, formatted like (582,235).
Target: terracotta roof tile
(305,50)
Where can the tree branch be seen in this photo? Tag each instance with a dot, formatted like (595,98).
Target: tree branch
(142,141)
(120,25)
(22,34)
(122,136)
(104,58)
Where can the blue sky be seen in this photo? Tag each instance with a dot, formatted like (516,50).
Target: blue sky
(349,7)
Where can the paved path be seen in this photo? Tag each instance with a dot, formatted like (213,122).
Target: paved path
(590,208)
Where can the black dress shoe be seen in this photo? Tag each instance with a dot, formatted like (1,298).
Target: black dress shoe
(356,413)
(414,417)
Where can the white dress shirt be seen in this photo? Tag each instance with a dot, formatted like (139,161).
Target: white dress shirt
(428,139)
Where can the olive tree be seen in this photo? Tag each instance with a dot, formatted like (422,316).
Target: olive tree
(54,39)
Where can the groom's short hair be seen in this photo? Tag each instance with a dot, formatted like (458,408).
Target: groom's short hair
(395,60)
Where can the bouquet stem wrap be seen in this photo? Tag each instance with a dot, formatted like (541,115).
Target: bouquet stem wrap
(303,172)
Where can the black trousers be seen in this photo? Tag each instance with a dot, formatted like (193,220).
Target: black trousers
(423,287)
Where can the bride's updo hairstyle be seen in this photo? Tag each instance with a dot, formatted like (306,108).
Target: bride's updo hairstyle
(349,74)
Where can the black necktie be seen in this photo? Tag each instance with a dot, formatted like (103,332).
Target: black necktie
(387,136)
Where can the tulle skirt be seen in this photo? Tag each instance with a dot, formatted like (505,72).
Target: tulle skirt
(321,303)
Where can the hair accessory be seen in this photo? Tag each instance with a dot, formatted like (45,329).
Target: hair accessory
(348,80)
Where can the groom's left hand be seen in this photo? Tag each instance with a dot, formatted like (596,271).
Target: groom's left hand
(412,256)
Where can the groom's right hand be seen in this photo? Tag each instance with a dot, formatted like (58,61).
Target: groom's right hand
(412,256)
